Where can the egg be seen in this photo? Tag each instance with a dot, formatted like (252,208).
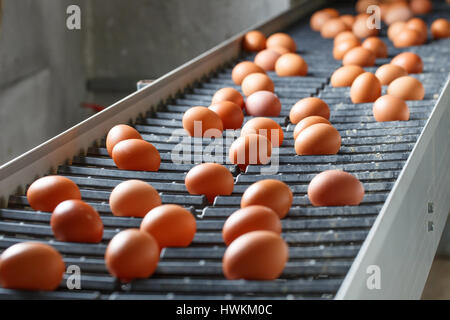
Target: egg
(76,221)
(362,5)
(290,65)
(250,149)
(256,255)
(281,40)
(359,56)
(365,88)
(335,188)
(202,122)
(360,28)
(389,72)
(280,50)
(409,61)
(420,26)
(306,122)
(243,69)
(257,82)
(406,88)
(248,219)
(348,19)
(407,38)
(318,139)
(343,47)
(420,6)
(263,104)
(345,35)
(266,127)
(132,254)
(395,28)
(46,193)
(266,59)
(170,225)
(209,179)
(390,108)
(271,193)
(398,11)
(230,113)
(133,198)
(306,107)
(377,46)
(31,266)
(136,154)
(119,133)
(228,94)
(344,76)
(254,41)
(319,18)
(333,27)
(440,28)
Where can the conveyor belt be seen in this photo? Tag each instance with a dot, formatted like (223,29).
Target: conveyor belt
(323,242)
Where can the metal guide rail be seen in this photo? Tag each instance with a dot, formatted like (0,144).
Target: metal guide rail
(323,241)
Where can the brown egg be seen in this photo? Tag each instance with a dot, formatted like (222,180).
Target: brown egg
(170,225)
(344,76)
(359,56)
(343,47)
(248,219)
(365,88)
(271,193)
(76,221)
(254,41)
(209,179)
(230,113)
(420,26)
(395,29)
(406,88)
(228,94)
(390,108)
(440,28)
(257,255)
(420,6)
(243,69)
(266,59)
(119,133)
(31,266)
(319,18)
(306,107)
(136,154)
(333,27)
(132,254)
(407,38)
(263,104)
(335,188)
(257,82)
(280,50)
(265,127)
(281,40)
(318,139)
(360,28)
(250,149)
(409,61)
(202,122)
(306,122)
(377,46)
(46,193)
(362,5)
(399,11)
(290,65)
(133,198)
(345,35)
(348,19)
(389,72)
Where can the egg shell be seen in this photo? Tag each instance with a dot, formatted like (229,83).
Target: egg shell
(31,266)
(345,35)
(377,46)
(136,154)
(365,88)
(47,192)
(407,38)
(359,56)
(263,104)
(319,18)
(132,254)
(254,41)
(398,11)
(420,26)
(389,72)
(271,193)
(228,94)
(170,225)
(333,27)
(344,76)
(202,122)
(248,219)
(266,127)
(409,61)
(306,122)
(257,255)
(318,139)
(360,28)
(348,19)
(343,47)
(230,113)
(306,107)
(250,149)
(133,198)
(395,28)
(76,221)
(281,40)
(209,179)
(440,28)
(257,82)
(335,188)
(420,6)
(390,108)
(406,88)
(266,59)
(119,133)
(243,69)
(290,65)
